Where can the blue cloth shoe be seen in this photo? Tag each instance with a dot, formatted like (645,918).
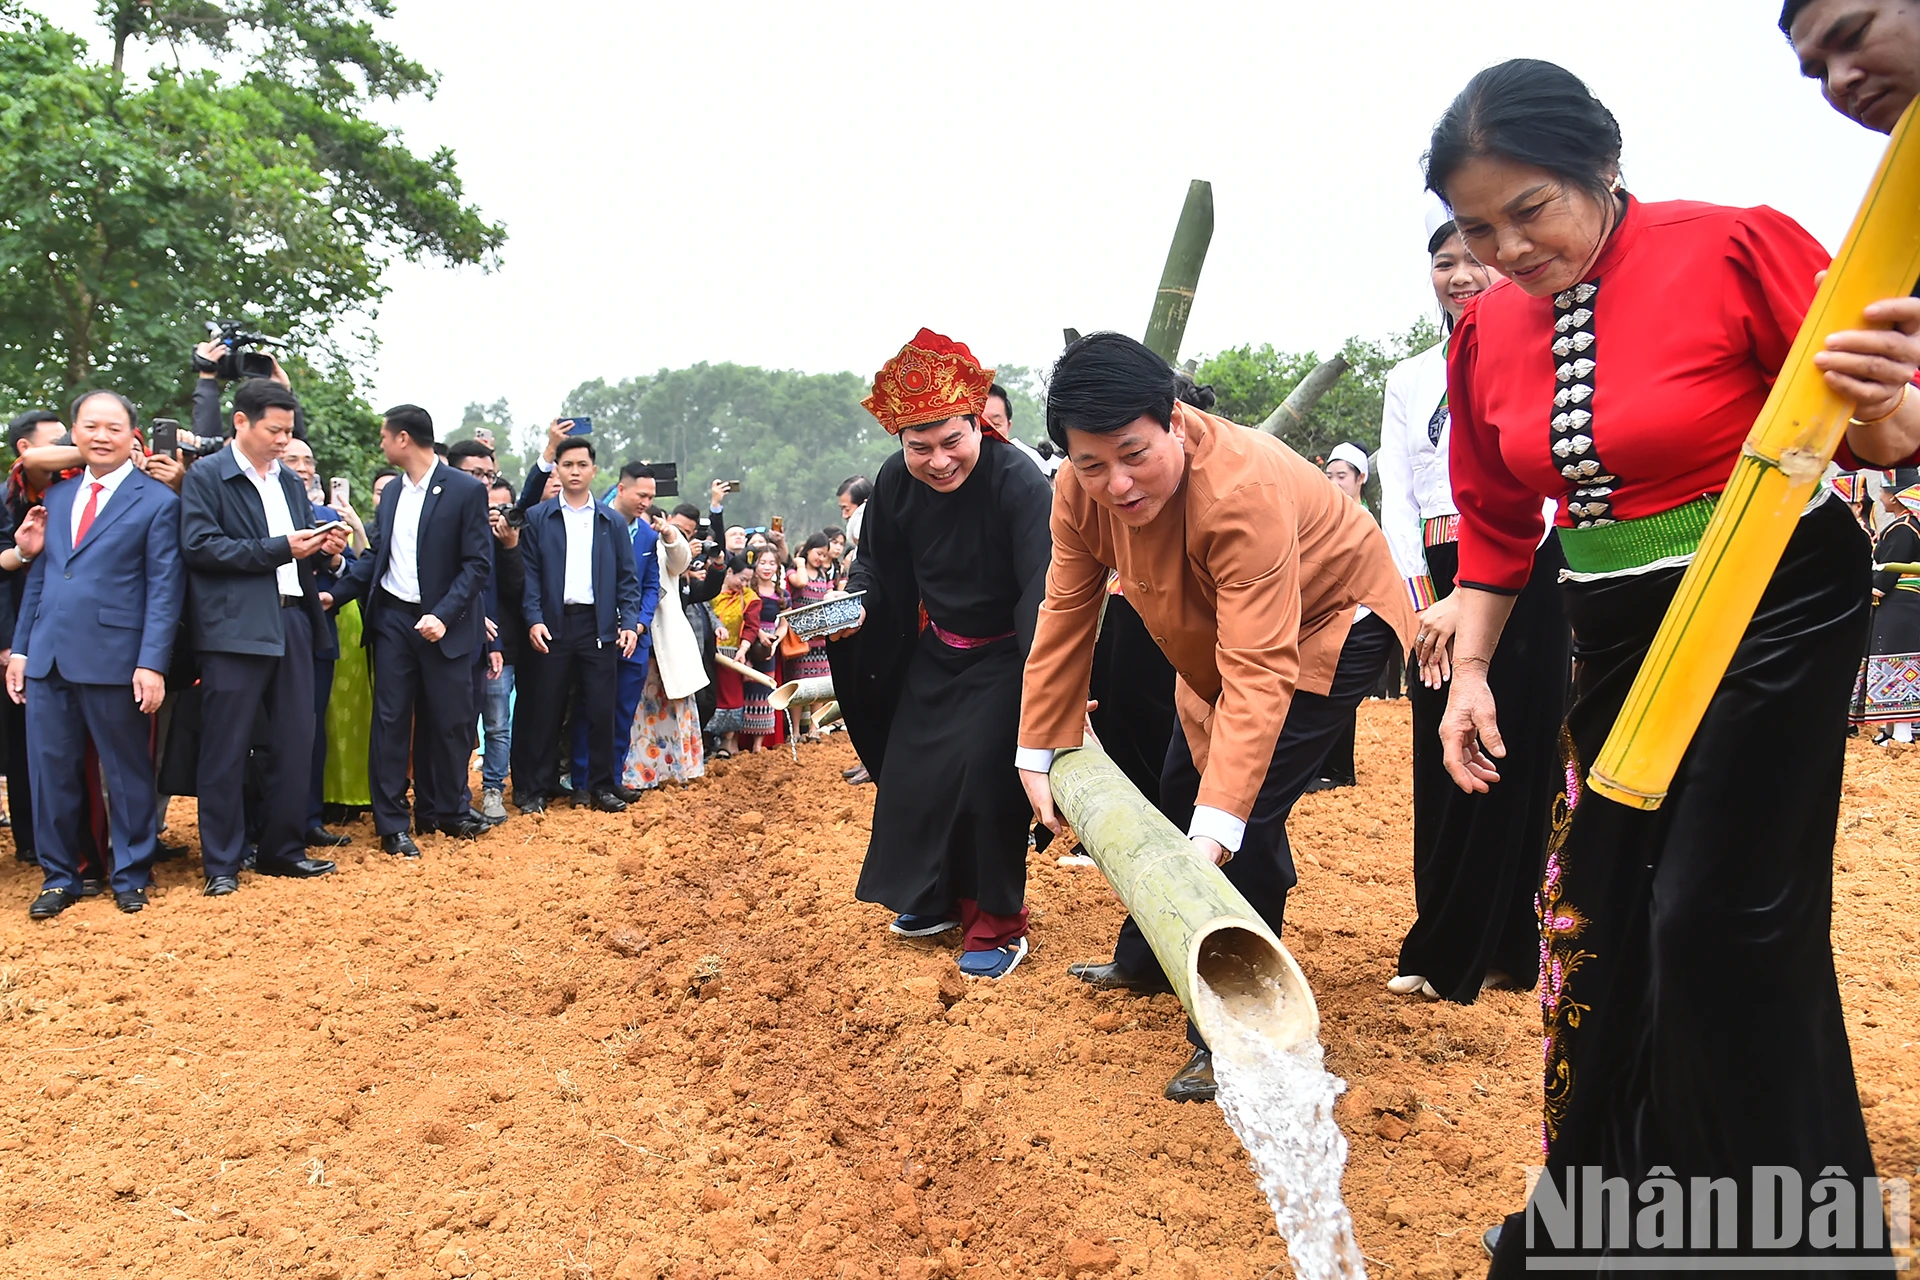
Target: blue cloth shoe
(997,963)
(921,926)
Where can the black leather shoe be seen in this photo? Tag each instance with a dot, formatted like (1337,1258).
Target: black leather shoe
(294,868)
(164,852)
(532,804)
(252,858)
(26,857)
(1490,1238)
(400,844)
(131,900)
(629,794)
(1193,1082)
(608,802)
(466,828)
(577,799)
(221,886)
(92,888)
(51,903)
(321,838)
(1111,977)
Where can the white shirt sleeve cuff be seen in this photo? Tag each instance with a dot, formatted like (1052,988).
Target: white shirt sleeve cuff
(1033,759)
(1218,825)
(543,464)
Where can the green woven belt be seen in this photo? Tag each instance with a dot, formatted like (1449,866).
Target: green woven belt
(1631,544)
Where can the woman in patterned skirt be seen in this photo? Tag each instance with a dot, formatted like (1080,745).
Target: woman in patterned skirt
(1692,1021)
(763,727)
(1888,693)
(737,610)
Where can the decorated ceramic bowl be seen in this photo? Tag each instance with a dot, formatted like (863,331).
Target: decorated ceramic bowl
(824,617)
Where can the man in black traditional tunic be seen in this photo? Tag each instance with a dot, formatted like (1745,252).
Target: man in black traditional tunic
(953,560)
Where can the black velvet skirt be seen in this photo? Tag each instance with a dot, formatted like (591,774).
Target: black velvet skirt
(1477,858)
(1692,1019)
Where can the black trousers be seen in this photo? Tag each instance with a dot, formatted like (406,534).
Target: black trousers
(578,670)
(423,703)
(1263,868)
(236,689)
(322,694)
(13,717)
(65,717)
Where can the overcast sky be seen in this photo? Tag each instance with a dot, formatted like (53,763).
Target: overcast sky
(804,185)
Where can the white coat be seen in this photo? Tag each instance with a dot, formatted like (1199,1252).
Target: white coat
(676,651)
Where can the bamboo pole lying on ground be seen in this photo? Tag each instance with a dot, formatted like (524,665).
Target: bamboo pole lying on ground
(1203,931)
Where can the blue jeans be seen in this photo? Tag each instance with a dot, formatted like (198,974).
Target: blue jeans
(497,722)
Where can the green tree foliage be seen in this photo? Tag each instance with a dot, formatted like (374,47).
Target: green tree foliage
(1026,401)
(1252,381)
(342,429)
(497,418)
(790,438)
(129,215)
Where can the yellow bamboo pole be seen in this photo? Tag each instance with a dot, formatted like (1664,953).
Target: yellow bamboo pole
(1779,468)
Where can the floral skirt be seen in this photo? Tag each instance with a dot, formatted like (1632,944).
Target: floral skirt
(664,743)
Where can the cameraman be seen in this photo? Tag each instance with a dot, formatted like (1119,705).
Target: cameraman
(206,388)
(510,583)
(475,457)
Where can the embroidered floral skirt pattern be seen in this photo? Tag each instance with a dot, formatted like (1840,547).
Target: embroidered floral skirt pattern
(1691,1017)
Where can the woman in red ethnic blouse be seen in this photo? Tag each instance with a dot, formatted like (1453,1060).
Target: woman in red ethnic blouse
(1692,1019)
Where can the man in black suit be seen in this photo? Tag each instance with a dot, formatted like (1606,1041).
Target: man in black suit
(422,587)
(247,535)
(582,606)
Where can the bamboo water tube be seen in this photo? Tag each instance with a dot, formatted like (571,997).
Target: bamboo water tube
(1203,931)
(801,693)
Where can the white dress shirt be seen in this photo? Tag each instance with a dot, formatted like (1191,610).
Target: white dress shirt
(108,484)
(579,522)
(280,524)
(1415,484)
(402,578)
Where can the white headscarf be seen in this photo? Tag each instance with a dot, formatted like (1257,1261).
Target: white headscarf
(1352,455)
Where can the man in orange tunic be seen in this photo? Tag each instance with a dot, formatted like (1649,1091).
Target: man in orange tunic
(1273,595)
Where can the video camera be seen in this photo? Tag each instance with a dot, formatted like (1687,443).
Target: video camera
(237,363)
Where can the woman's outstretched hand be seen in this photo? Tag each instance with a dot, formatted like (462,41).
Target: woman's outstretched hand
(1470,732)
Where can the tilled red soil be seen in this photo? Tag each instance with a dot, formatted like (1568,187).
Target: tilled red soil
(671,1044)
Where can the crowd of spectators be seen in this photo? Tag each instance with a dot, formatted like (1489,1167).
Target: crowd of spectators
(216,619)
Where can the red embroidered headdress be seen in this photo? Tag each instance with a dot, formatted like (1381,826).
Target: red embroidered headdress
(932,379)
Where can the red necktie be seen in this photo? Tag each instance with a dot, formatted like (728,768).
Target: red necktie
(88,512)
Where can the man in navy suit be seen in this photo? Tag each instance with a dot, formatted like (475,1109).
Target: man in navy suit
(247,535)
(630,499)
(95,635)
(582,607)
(422,590)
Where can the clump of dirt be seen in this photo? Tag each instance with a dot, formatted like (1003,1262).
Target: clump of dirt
(670,1044)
